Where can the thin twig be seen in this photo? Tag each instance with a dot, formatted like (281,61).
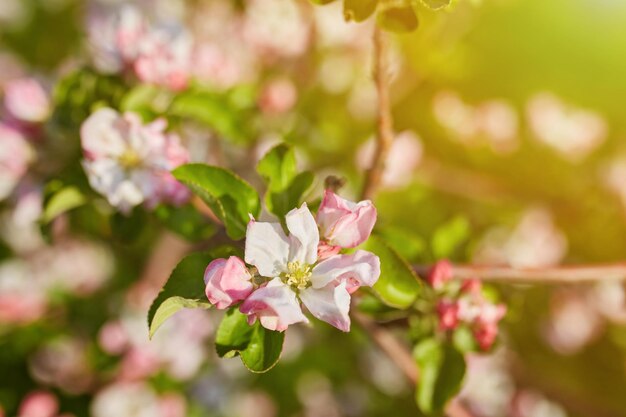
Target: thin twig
(385,135)
(557,274)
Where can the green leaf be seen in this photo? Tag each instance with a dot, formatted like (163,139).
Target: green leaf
(184,288)
(408,244)
(285,186)
(232,199)
(358,10)
(436,4)
(233,334)
(139,98)
(186,221)
(258,347)
(442,369)
(214,111)
(398,286)
(64,200)
(449,237)
(398,17)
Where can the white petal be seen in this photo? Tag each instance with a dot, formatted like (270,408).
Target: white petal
(303,234)
(267,248)
(330,304)
(358,268)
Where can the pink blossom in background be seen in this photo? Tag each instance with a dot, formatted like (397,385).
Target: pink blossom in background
(292,263)
(227,282)
(112,338)
(448,312)
(173,405)
(129,162)
(440,274)
(278,96)
(404,157)
(164,59)
(126,399)
(344,223)
(39,404)
(26,101)
(15,156)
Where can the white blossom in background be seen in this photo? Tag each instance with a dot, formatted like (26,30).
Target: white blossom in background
(534,242)
(572,132)
(403,159)
(130,162)
(276,27)
(126,400)
(15,156)
(494,122)
(488,387)
(534,404)
(573,323)
(186,332)
(612,174)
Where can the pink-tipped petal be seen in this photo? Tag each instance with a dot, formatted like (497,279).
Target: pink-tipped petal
(275,305)
(330,304)
(357,269)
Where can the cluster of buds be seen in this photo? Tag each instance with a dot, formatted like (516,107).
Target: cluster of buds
(305,266)
(463,303)
(130,162)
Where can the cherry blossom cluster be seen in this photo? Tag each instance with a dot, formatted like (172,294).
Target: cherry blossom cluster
(25,107)
(306,266)
(156,54)
(129,162)
(465,304)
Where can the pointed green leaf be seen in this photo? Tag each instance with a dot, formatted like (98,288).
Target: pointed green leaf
(285,186)
(184,288)
(442,369)
(231,198)
(398,286)
(258,347)
(66,199)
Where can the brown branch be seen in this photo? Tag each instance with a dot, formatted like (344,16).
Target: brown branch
(385,135)
(556,274)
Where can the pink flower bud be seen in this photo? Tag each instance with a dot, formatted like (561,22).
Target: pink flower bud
(448,312)
(471,286)
(227,282)
(440,273)
(26,101)
(324,250)
(39,404)
(344,223)
(486,335)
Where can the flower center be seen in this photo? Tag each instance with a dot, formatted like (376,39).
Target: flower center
(129,159)
(297,275)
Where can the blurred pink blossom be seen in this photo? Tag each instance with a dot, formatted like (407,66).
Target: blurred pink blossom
(129,162)
(26,101)
(39,404)
(15,156)
(278,96)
